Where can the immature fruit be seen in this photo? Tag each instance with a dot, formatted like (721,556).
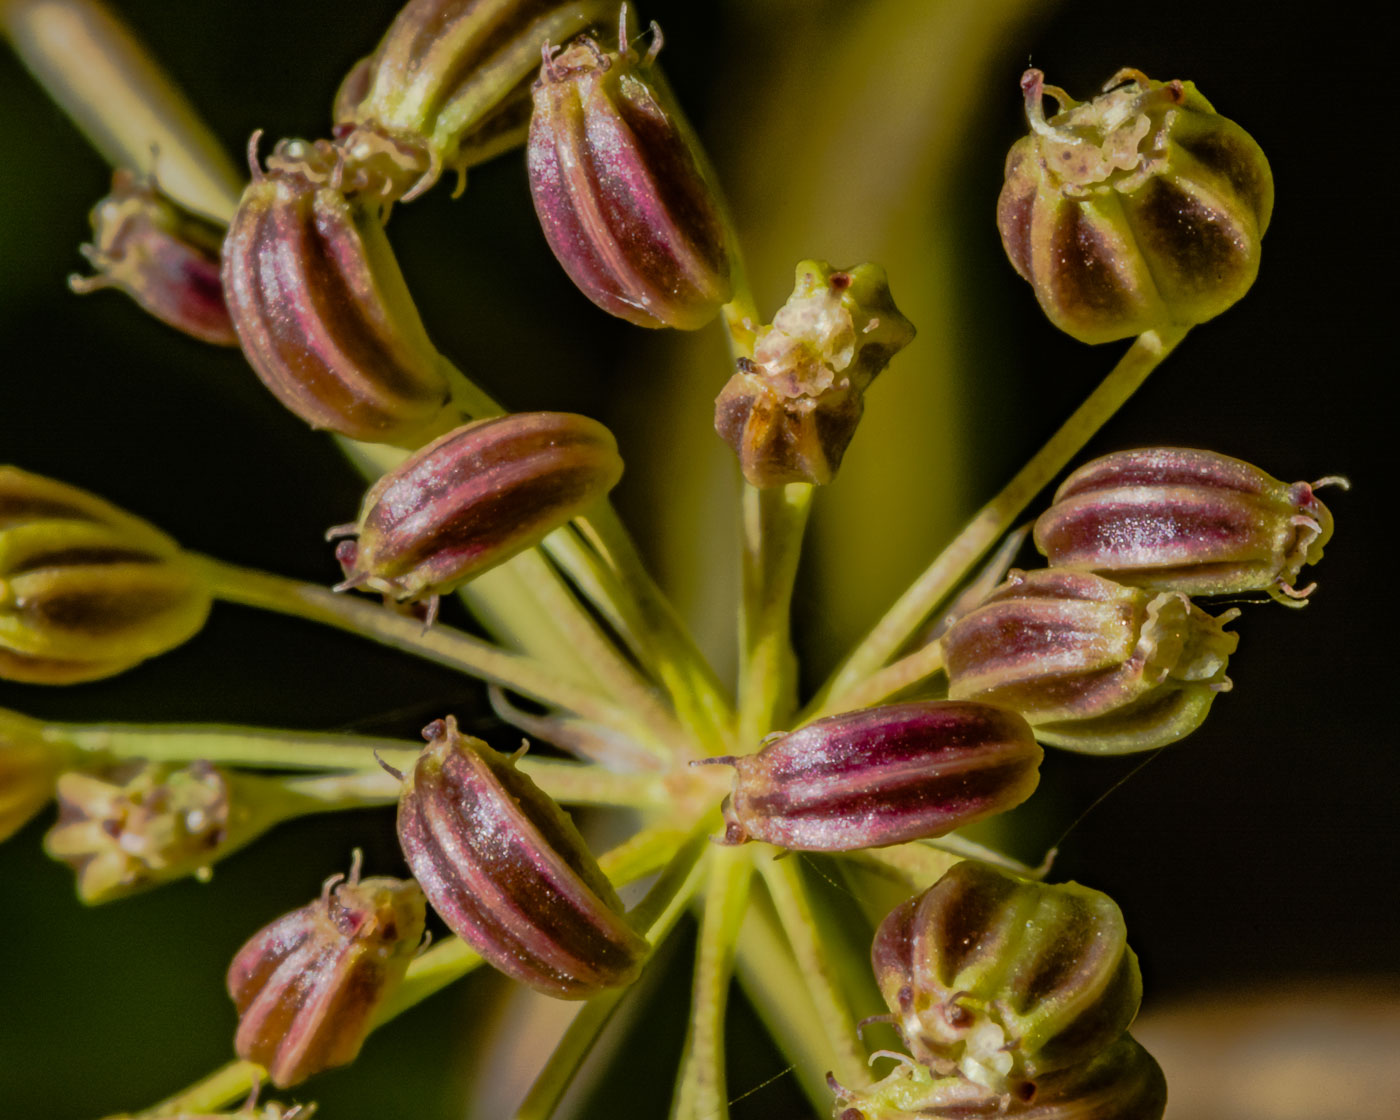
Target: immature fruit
(30,763)
(1177,519)
(307,986)
(161,255)
(322,311)
(791,411)
(1005,980)
(1141,209)
(621,188)
(882,776)
(509,873)
(1092,665)
(473,498)
(86,590)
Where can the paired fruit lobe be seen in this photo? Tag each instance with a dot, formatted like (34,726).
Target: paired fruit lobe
(1092,665)
(791,411)
(1004,980)
(1178,519)
(307,986)
(622,189)
(448,86)
(882,776)
(509,873)
(1140,209)
(475,497)
(322,310)
(163,256)
(1122,1082)
(86,590)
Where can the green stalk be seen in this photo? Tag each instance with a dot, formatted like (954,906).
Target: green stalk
(774,522)
(994,519)
(701,1092)
(121,100)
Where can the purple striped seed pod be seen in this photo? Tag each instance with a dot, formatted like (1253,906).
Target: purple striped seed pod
(446,85)
(86,590)
(307,986)
(1004,980)
(322,311)
(882,776)
(163,256)
(1122,1082)
(621,188)
(1092,665)
(1177,519)
(474,498)
(509,873)
(1139,209)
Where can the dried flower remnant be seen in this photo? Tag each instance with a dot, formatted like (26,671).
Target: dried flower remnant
(791,411)
(509,873)
(622,188)
(163,256)
(86,590)
(1174,518)
(447,87)
(882,776)
(1140,209)
(307,986)
(1093,666)
(474,498)
(322,310)
(1004,980)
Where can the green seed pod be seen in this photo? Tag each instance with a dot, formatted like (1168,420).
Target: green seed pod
(1176,519)
(161,255)
(30,763)
(1141,209)
(1004,980)
(307,986)
(509,873)
(622,188)
(86,590)
(790,413)
(1093,666)
(474,498)
(448,86)
(882,776)
(322,310)
(139,824)
(1122,1082)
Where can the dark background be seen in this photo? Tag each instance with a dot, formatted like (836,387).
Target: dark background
(1260,850)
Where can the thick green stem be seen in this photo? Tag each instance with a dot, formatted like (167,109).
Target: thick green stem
(121,100)
(439,643)
(957,560)
(700,1086)
(774,521)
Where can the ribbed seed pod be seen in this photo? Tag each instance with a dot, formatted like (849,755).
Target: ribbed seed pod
(135,825)
(307,986)
(791,411)
(161,255)
(1123,1082)
(882,776)
(1003,979)
(1140,209)
(447,83)
(622,189)
(1177,519)
(322,310)
(507,870)
(1093,666)
(473,498)
(86,590)
(30,764)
